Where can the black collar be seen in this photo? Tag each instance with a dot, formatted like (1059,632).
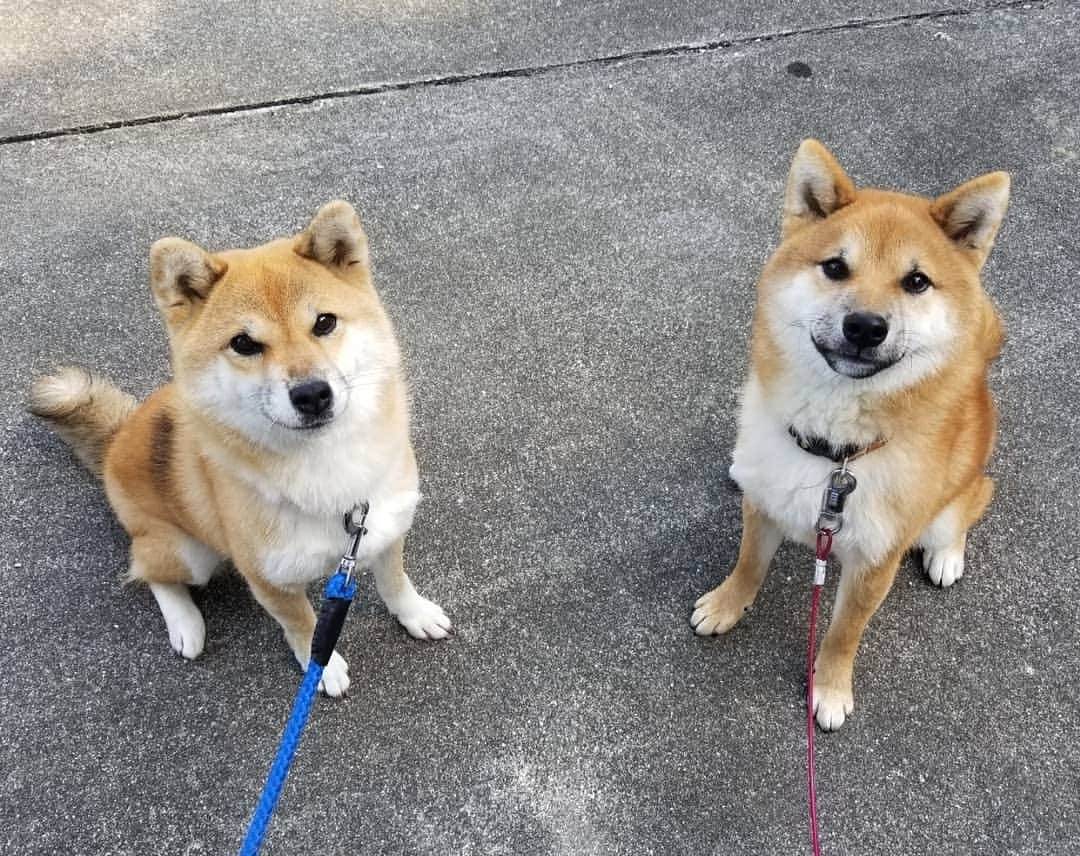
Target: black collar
(824,449)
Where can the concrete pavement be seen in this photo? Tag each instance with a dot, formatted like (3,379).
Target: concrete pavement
(569,255)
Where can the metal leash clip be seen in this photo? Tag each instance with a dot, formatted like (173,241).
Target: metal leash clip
(841,484)
(356,530)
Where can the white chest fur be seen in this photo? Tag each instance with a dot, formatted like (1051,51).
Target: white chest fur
(787,483)
(307,546)
(306,496)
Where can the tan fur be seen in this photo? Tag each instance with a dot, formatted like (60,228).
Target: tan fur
(191,481)
(940,428)
(86,409)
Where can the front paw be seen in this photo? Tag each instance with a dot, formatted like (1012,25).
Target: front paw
(424,619)
(944,567)
(720,609)
(335,677)
(833,698)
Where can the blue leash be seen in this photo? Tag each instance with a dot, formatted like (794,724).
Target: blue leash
(337,597)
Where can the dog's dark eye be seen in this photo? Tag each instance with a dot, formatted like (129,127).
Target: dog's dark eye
(835,268)
(324,324)
(915,282)
(244,345)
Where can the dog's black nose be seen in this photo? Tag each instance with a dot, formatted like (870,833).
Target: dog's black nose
(865,329)
(312,398)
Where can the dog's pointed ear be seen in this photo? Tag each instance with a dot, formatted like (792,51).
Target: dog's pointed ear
(181,276)
(971,215)
(336,239)
(816,187)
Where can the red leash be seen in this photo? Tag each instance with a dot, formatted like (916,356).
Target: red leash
(824,547)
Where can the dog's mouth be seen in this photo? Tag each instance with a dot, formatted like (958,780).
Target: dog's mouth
(313,425)
(305,424)
(852,362)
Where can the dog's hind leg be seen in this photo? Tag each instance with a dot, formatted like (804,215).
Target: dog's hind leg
(720,609)
(944,539)
(168,564)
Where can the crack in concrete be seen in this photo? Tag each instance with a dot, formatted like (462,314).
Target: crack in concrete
(521,71)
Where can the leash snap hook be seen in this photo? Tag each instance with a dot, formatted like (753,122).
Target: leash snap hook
(352,526)
(356,529)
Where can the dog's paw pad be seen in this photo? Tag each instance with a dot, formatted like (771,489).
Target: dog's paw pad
(335,677)
(717,612)
(832,706)
(944,567)
(425,620)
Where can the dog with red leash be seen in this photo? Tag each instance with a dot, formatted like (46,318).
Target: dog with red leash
(871,343)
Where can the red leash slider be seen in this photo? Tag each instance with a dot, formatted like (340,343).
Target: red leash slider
(824,548)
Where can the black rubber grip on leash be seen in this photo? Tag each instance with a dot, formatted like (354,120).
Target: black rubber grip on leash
(328,629)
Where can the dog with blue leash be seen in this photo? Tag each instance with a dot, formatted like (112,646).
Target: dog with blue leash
(288,407)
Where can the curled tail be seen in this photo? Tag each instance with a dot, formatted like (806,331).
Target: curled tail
(86,409)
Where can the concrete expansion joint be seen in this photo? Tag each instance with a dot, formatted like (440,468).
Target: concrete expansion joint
(690,48)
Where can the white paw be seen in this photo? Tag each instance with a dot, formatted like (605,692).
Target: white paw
(944,567)
(335,677)
(733,474)
(832,706)
(187,630)
(424,619)
(188,637)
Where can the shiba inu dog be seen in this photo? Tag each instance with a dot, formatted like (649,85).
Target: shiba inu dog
(871,342)
(287,408)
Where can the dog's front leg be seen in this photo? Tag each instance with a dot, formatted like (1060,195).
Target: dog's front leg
(720,609)
(861,591)
(291,609)
(420,616)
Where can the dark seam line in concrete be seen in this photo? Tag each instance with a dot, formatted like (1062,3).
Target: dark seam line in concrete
(523,71)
